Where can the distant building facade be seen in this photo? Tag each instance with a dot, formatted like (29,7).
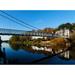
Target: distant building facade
(37,37)
(63,33)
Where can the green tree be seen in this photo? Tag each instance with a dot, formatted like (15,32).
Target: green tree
(73,26)
(66,25)
(14,39)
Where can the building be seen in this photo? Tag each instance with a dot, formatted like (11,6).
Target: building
(37,37)
(63,33)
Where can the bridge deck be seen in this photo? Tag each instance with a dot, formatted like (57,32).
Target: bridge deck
(25,33)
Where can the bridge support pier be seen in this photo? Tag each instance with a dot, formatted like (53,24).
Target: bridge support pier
(0,40)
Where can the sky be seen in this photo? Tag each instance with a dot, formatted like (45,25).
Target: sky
(38,18)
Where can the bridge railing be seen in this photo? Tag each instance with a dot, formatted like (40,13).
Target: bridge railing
(25,33)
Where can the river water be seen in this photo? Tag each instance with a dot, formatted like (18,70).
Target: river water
(34,55)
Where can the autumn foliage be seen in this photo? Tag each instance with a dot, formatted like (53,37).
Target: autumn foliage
(58,43)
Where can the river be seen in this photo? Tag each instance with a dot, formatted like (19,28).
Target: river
(34,55)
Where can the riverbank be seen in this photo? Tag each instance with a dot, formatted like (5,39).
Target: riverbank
(56,43)
(27,43)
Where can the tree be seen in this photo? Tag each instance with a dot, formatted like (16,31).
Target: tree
(58,43)
(73,26)
(20,38)
(14,39)
(48,30)
(66,25)
(25,38)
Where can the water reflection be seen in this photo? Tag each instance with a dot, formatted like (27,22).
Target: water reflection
(33,49)
(20,53)
(45,50)
(70,54)
(65,55)
(3,59)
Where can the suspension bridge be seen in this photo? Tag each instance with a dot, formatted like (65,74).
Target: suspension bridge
(24,33)
(4,31)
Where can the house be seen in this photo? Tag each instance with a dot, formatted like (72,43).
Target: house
(37,37)
(63,33)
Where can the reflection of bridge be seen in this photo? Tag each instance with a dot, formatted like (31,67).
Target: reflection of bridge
(24,33)
(2,55)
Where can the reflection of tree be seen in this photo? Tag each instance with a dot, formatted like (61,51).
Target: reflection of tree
(29,49)
(72,45)
(72,41)
(14,46)
(72,54)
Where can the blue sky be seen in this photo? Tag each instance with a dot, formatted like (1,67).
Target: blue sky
(38,18)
